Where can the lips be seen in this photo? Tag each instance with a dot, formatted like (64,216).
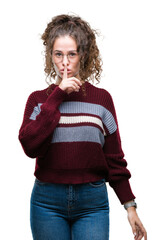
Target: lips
(68,70)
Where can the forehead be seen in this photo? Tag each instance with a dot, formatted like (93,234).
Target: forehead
(64,43)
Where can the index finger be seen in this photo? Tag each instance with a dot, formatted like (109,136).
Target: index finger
(65,73)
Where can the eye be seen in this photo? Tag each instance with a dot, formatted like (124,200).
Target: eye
(72,54)
(58,54)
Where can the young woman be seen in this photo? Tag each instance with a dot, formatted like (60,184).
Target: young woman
(71,129)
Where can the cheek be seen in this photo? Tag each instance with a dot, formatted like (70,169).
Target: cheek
(77,68)
(57,70)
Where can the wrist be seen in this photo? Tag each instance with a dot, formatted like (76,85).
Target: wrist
(131,205)
(131,209)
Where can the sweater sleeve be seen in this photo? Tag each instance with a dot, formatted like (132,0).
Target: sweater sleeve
(39,122)
(119,175)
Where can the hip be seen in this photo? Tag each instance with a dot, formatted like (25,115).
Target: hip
(71,199)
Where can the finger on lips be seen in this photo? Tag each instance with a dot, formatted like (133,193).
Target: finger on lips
(65,73)
(65,76)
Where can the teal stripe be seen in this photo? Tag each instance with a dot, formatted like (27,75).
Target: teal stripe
(78,134)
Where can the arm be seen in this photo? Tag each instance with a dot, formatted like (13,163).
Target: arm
(36,131)
(118,173)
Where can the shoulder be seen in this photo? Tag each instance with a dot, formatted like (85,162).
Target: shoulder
(103,95)
(39,94)
(99,89)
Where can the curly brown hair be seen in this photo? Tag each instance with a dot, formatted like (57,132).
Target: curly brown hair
(85,37)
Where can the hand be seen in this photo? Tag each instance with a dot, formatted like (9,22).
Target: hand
(69,84)
(137,227)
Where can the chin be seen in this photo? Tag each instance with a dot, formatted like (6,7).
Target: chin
(71,74)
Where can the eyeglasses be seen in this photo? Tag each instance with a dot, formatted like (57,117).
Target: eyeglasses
(59,56)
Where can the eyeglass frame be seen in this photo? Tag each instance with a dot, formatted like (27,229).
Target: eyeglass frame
(58,51)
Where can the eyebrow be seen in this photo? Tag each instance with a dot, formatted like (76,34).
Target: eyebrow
(68,51)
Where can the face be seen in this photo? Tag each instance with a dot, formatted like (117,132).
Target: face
(65,54)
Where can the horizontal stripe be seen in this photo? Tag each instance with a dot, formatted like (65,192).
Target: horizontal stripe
(91,108)
(83,107)
(78,134)
(81,119)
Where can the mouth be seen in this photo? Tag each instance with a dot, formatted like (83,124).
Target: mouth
(68,71)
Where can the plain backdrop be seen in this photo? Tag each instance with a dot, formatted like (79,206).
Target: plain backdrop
(132,46)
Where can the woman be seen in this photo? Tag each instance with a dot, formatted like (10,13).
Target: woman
(71,129)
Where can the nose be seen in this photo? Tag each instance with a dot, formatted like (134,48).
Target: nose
(65,61)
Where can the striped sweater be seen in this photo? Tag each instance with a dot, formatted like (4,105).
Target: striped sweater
(75,138)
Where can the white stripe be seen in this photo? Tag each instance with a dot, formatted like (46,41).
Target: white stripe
(81,119)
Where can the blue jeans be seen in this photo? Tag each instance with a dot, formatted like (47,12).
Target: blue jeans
(69,211)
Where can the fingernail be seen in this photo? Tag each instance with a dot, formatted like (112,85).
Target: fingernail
(134,234)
